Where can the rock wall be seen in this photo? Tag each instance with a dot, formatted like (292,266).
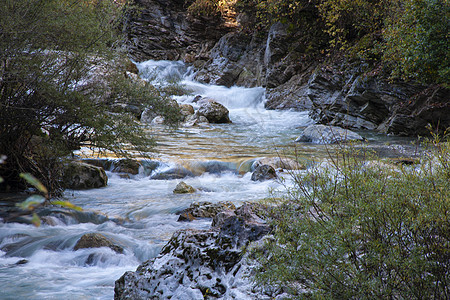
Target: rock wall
(343,93)
(162,30)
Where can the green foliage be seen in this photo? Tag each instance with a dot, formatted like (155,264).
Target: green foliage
(364,229)
(417,41)
(60,72)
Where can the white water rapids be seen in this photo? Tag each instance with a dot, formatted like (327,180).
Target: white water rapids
(141,211)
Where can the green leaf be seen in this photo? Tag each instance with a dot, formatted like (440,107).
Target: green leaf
(30,202)
(1,180)
(67,204)
(36,220)
(34,182)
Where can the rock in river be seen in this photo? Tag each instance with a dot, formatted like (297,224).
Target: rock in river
(214,112)
(324,134)
(264,172)
(79,175)
(199,264)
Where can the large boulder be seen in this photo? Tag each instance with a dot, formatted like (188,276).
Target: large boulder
(79,175)
(213,111)
(324,134)
(200,264)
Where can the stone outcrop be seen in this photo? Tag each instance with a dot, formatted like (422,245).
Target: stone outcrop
(324,134)
(79,175)
(200,264)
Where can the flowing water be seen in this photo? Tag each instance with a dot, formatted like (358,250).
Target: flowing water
(139,213)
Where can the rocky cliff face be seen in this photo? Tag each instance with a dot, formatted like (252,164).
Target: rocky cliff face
(162,29)
(343,93)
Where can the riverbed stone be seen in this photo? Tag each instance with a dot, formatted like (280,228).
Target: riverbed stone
(264,172)
(183,188)
(325,134)
(96,240)
(214,112)
(79,175)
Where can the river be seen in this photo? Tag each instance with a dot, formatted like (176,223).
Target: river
(140,213)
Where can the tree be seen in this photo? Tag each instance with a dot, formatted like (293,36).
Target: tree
(417,40)
(60,70)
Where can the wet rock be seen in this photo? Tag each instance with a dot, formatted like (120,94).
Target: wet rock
(193,120)
(129,166)
(183,188)
(200,264)
(79,175)
(264,172)
(187,108)
(173,173)
(105,163)
(207,209)
(279,163)
(96,240)
(324,134)
(214,112)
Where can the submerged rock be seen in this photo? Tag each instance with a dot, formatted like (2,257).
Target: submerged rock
(323,134)
(79,175)
(200,264)
(183,188)
(264,172)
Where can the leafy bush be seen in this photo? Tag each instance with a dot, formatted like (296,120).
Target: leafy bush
(364,229)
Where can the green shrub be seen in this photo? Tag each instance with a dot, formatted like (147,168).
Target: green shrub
(364,229)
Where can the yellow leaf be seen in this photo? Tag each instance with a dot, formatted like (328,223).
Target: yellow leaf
(34,182)
(36,220)
(67,204)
